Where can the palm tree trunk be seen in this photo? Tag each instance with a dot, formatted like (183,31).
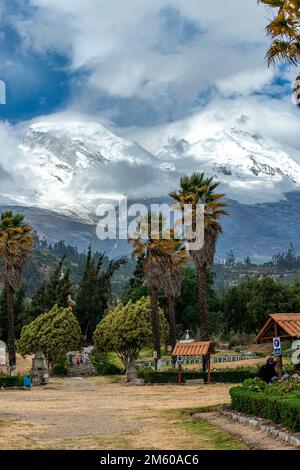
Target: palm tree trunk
(203,306)
(10,326)
(172,320)
(155,324)
(203,309)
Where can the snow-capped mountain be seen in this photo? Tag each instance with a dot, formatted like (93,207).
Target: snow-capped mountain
(251,167)
(71,167)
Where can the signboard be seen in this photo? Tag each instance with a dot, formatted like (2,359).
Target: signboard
(179,360)
(277,346)
(2,353)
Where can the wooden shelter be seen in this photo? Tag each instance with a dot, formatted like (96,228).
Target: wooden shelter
(280,325)
(194,349)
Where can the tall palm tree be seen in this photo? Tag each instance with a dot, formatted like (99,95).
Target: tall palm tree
(284,29)
(194,190)
(173,270)
(156,254)
(15,245)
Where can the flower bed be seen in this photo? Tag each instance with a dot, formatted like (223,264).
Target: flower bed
(279,403)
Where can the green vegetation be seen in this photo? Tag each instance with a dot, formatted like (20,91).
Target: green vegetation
(279,403)
(15,245)
(94,292)
(7,381)
(60,369)
(214,438)
(126,329)
(54,333)
(246,306)
(104,364)
(218,376)
(195,190)
(284,29)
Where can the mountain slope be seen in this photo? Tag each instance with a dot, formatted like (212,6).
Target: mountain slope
(251,167)
(72,167)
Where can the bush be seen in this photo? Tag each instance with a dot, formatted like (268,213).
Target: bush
(220,376)
(7,381)
(60,369)
(102,364)
(279,403)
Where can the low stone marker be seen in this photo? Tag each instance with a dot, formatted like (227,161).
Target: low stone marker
(194,382)
(39,371)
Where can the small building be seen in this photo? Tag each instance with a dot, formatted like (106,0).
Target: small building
(195,349)
(280,325)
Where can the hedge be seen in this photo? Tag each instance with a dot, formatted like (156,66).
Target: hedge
(220,376)
(7,381)
(281,410)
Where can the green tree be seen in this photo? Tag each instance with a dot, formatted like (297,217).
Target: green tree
(150,245)
(94,292)
(136,283)
(127,329)
(194,190)
(15,246)
(284,30)
(246,306)
(55,333)
(187,310)
(21,313)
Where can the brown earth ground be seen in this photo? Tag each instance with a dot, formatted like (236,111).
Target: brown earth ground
(96,413)
(101,413)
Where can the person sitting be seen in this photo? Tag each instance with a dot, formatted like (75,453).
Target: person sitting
(267,372)
(296,372)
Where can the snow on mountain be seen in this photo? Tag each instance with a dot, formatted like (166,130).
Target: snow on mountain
(76,165)
(250,167)
(71,167)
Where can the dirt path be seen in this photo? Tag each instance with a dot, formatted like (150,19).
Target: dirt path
(253,438)
(97,414)
(94,413)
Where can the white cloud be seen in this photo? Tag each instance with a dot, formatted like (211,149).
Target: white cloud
(163,51)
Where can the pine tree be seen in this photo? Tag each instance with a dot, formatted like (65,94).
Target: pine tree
(94,292)
(53,292)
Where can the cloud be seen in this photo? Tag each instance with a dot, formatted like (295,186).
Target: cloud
(161,56)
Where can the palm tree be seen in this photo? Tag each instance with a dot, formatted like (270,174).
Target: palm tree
(15,245)
(194,190)
(284,29)
(177,258)
(149,247)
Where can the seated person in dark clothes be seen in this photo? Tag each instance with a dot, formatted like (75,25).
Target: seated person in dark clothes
(267,372)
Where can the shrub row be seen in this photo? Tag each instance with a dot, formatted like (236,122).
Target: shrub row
(281,410)
(220,376)
(7,381)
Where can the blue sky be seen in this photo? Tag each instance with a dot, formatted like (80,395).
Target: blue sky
(139,64)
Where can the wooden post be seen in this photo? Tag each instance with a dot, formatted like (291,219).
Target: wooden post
(179,374)
(279,357)
(209,371)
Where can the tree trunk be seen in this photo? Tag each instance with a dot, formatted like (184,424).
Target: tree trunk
(155,324)
(203,309)
(172,320)
(203,306)
(10,326)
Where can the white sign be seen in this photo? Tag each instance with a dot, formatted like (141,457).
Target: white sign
(2,353)
(277,346)
(180,360)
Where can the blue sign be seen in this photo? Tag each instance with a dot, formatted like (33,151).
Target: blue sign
(277,346)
